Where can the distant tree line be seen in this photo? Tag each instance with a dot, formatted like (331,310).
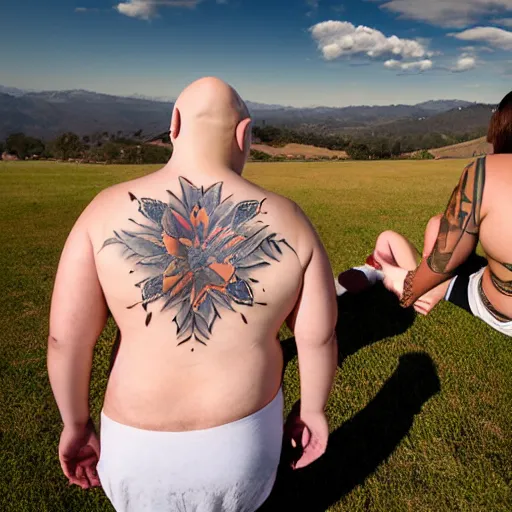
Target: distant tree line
(361,145)
(98,147)
(130,148)
(277,137)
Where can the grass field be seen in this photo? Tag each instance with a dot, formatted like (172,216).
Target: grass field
(421,409)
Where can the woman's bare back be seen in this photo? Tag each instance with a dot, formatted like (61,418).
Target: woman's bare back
(496,232)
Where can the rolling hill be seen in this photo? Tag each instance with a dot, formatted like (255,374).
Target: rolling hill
(468,149)
(48,113)
(300,150)
(460,120)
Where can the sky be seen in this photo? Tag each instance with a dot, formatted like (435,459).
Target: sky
(288,52)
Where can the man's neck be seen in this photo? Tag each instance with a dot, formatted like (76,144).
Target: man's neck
(198,164)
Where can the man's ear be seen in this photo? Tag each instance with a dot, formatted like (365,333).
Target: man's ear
(175,124)
(243,134)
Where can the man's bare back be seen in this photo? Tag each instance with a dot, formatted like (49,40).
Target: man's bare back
(200,347)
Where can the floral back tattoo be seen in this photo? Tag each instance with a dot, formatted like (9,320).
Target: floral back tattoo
(201,253)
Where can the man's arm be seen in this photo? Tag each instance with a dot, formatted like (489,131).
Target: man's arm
(78,315)
(313,322)
(457,238)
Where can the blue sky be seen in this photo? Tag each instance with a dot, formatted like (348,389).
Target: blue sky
(294,52)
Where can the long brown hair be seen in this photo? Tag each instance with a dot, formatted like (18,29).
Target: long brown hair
(500,129)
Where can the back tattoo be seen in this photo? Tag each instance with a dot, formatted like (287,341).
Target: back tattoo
(201,255)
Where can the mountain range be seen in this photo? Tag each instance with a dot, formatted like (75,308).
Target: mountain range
(45,114)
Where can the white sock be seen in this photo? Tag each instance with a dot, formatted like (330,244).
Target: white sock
(373,275)
(340,290)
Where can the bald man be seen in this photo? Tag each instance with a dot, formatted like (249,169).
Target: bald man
(199,268)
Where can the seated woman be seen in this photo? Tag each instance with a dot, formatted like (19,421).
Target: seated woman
(479,210)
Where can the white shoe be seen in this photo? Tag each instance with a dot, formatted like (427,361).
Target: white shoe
(373,275)
(340,290)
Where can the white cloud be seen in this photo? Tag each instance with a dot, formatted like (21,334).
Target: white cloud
(86,9)
(496,37)
(421,65)
(464,63)
(475,49)
(447,13)
(137,9)
(341,38)
(147,9)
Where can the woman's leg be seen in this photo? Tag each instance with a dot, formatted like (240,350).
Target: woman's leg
(397,255)
(391,249)
(394,249)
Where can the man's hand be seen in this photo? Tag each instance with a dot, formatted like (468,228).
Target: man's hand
(79,452)
(307,434)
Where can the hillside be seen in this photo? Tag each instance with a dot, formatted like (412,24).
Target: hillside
(468,149)
(299,150)
(460,120)
(49,113)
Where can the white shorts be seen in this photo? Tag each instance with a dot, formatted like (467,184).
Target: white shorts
(474,301)
(230,468)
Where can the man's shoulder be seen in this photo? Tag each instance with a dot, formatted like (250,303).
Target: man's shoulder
(106,197)
(298,226)
(285,205)
(104,205)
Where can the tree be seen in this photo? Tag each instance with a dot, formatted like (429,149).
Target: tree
(260,156)
(358,151)
(67,146)
(111,152)
(268,134)
(396,148)
(423,155)
(151,154)
(96,139)
(22,146)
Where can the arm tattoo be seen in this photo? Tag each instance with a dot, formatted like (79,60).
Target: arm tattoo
(200,254)
(462,216)
(406,299)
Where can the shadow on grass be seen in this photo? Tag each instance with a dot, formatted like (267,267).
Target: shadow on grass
(363,443)
(363,319)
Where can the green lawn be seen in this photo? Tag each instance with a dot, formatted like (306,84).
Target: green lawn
(421,409)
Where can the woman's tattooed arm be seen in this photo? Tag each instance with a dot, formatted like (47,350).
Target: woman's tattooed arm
(457,238)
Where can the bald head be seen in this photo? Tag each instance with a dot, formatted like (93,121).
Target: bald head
(210,117)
